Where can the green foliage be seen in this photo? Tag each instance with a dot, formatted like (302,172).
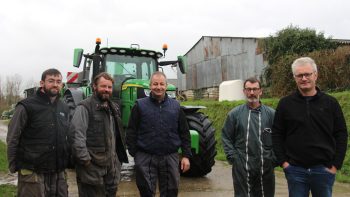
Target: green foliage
(217,112)
(333,69)
(294,40)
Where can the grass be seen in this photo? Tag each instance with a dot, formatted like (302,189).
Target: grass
(5,190)
(3,158)
(217,112)
(8,190)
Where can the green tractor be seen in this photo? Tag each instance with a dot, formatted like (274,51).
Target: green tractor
(131,69)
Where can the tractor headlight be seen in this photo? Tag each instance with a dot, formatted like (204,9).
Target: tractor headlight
(147,92)
(171,94)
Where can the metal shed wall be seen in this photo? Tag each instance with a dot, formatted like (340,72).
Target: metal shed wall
(215,59)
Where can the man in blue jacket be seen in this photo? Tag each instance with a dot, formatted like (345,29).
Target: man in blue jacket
(157,129)
(309,134)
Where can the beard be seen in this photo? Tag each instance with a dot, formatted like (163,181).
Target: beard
(253,99)
(51,92)
(103,96)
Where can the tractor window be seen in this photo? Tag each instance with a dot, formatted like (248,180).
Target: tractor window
(146,70)
(121,66)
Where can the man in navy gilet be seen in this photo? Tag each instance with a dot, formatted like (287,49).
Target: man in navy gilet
(157,129)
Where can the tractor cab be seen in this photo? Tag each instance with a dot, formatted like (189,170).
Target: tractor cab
(131,69)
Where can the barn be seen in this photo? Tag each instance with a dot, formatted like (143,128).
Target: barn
(213,60)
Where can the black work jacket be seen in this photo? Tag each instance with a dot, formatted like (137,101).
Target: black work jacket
(43,144)
(309,131)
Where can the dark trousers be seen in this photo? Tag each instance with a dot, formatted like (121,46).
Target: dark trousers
(42,184)
(152,168)
(97,181)
(303,180)
(255,185)
(88,190)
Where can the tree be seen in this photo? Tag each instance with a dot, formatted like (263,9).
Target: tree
(286,43)
(13,88)
(294,40)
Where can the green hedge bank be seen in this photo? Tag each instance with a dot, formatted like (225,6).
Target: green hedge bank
(217,112)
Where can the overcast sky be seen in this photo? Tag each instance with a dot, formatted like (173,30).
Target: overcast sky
(40,34)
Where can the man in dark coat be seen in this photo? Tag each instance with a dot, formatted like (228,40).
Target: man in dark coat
(309,134)
(37,144)
(98,145)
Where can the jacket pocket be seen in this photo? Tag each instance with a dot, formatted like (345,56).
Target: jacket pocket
(91,174)
(266,138)
(98,155)
(38,154)
(29,176)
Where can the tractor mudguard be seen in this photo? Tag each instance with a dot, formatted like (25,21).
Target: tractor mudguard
(76,94)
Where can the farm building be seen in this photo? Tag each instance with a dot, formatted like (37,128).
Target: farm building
(213,60)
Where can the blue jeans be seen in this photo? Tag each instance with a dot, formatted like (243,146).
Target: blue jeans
(302,180)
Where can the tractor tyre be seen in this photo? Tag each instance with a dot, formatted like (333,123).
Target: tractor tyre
(201,163)
(68,99)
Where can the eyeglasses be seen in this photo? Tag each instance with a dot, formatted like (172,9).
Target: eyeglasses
(306,75)
(251,89)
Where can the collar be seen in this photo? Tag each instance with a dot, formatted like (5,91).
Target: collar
(317,95)
(99,104)
(44,96)
(155,100)
(256,109)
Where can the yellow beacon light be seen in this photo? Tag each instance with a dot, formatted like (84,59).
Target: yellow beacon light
(98,40)
(165,47)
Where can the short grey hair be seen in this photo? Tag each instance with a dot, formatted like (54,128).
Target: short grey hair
(302,62)
(158,73)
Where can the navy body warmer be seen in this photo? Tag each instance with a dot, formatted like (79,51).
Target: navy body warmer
(158,130)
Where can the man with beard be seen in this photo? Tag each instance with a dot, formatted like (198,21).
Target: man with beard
(37,144)
(246,137)
(309,134)
(98,143)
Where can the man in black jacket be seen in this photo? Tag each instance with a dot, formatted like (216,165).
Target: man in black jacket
(157,129)
(98,146)
(309,134)
(37,140)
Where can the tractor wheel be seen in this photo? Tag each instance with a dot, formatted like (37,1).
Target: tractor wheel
(68,99)
(202,162)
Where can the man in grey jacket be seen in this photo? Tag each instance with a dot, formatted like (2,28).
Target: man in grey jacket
(246,137)
(98,146)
